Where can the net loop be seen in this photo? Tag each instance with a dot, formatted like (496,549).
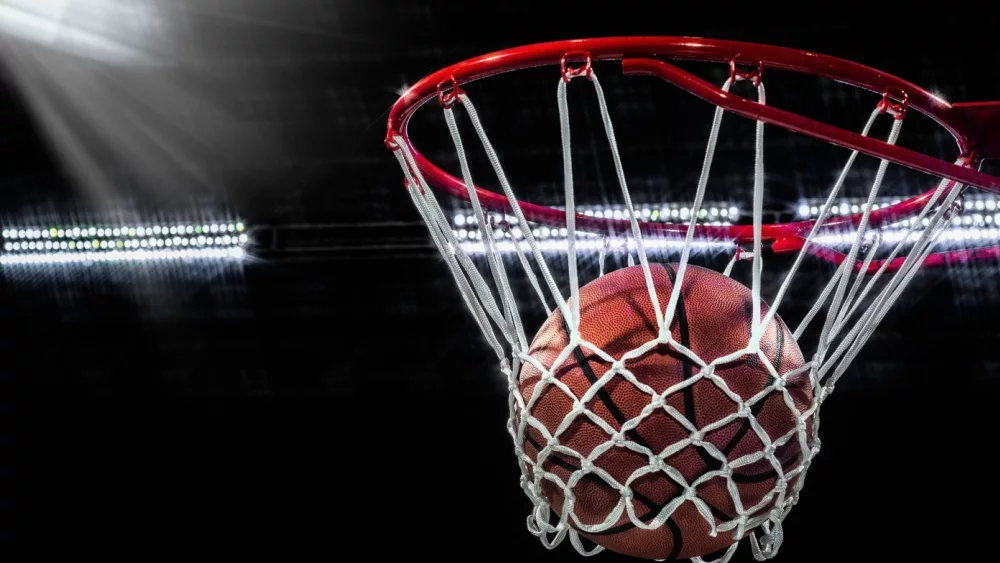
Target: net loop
(574,538)
(771,537)
(724,558)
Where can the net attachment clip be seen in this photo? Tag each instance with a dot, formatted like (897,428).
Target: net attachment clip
(754,75)
(502,224)
(448,92)
(867,245)
(742,253)
(895,102)
(409,186)
(584,68)
(956,208)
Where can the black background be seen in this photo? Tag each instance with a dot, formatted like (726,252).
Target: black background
(342,405)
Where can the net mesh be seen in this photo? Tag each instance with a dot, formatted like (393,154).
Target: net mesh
(851,305)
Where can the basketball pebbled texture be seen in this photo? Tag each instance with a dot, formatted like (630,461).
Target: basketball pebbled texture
(712,319)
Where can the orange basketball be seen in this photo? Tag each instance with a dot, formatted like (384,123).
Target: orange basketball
(712,319)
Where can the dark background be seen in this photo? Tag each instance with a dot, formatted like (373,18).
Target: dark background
(337,402)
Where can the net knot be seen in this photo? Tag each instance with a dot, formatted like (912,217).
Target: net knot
(574,338)
(617,366)
(586,465)
(657,462)
(697,438)
(626,492)
(618,439)
(664,337)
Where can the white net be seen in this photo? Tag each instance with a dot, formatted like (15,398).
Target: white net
(851,305)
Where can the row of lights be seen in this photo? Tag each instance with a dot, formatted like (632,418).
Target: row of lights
(541,232)
(124,231)
(813,209)
(845,208)
(126,244)
(30,245)
(591,245)
(954,234)
(667,214)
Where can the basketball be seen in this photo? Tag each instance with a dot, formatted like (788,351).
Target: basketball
(712,319)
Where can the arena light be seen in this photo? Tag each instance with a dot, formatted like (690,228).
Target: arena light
(811,208)
(471,242)
(102,30)
(892,236)
(711,213)
(594,245)
(118,243)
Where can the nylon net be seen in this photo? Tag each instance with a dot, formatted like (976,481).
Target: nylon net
(852,303)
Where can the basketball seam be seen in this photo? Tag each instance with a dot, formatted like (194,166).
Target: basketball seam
(602,393)
(759,406)
(689,406)
(682,325)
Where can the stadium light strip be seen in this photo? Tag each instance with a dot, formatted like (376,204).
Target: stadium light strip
(892,236)
(889,236)
(664,213)
(982,206)
(613,245)
(62,245)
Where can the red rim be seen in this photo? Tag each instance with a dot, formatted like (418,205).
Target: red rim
(974,125)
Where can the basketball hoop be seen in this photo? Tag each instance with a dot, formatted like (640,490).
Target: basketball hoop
(576,491)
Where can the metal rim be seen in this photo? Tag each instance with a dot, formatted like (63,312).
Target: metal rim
(966,122)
